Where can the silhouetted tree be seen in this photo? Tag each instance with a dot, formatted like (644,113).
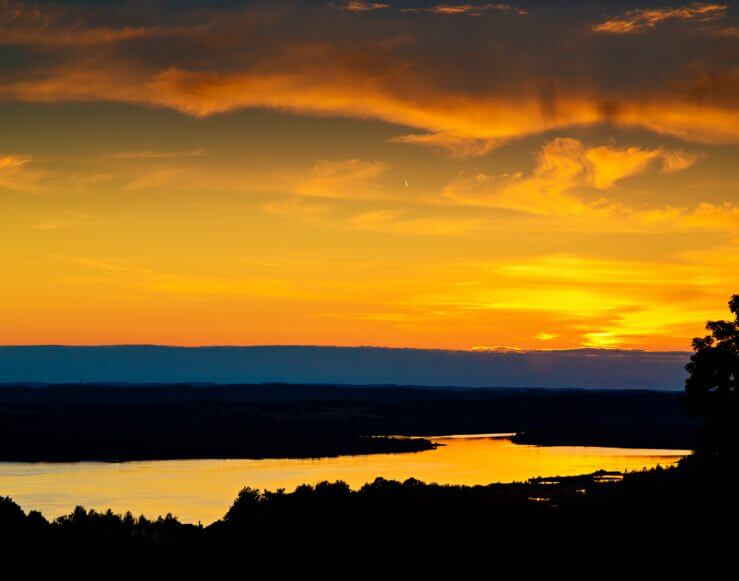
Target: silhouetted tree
(712,387)
(246,508)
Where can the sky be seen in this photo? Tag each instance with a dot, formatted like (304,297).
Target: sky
(475,175)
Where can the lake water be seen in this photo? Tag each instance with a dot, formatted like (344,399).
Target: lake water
(202,490)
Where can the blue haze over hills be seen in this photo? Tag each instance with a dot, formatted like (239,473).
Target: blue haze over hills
(579,368)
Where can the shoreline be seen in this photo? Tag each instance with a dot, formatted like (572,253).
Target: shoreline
(259,422)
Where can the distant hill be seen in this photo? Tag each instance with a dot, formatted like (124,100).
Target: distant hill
(579,368)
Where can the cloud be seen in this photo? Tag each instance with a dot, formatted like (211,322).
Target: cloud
(350,179)
(163,177)
(324,85)
(604,166)
(36,24)
(359,6)
(675,160)
(726,31)
(584,299)
(348,170)
(394,221)
(704,216)
(467,119)
(566,170)
(562,166)
(297,207)
(645,19)
(10,163)
(456,145)
(15,173)
(145,154)
(603,302)
(211,61)
(467,9)
(709,216)
(109,265)
(65,221)
(143,278)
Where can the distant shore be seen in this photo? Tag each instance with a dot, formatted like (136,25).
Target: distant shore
(103,423)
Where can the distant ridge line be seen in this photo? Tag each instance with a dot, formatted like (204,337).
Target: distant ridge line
(151,364)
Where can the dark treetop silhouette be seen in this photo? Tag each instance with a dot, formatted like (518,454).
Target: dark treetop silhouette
(712,387)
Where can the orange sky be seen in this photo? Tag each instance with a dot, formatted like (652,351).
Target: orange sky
(472,175)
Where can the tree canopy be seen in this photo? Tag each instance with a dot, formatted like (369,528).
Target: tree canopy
(712,386)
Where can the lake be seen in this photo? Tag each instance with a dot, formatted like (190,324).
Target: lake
(202,490)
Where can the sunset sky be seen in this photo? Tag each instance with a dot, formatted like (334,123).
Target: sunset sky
(534,175)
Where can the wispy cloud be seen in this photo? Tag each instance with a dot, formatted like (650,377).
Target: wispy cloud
(141,277)
(349,179)
(563,165)
(9,163)
(729,32)
(210,61)
(566,175)
(644,19)
(456,145)
(359,6)
(147,154)
(37,24)
(64,221)
(705,216)
(448,9)
(473,118)
(468,9)
(109,265)
(602,302)
(297,207)
(160,178)
(16,173)
(397,222)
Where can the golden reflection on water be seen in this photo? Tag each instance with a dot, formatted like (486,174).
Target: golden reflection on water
(202,490)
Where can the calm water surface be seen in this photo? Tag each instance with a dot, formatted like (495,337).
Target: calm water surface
(202,490)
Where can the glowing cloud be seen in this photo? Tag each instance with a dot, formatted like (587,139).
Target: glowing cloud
(644,19)
(563,165)
(454,144)
(392,73)
(393,221)
(15,173)
(359,6)
(467,9)
(155,154)
(9,163)
(297,207)
(30,24)
(351,178)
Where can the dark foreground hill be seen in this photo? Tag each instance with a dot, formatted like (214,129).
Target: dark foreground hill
(662,524)
(256,421)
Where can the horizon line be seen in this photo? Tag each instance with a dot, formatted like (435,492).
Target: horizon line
(492,350)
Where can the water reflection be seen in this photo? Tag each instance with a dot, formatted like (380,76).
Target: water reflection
(202,490)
